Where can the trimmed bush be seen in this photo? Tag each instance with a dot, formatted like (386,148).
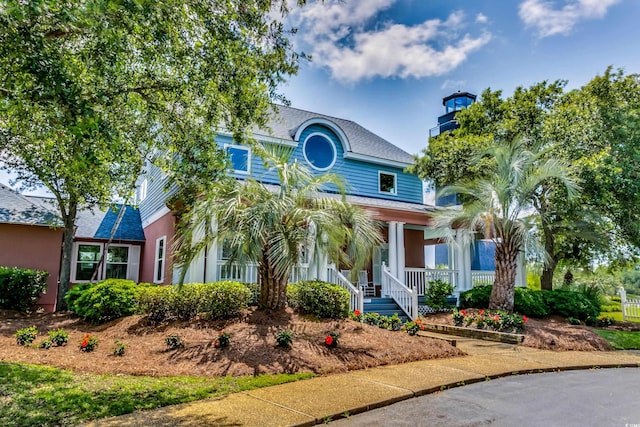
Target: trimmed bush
(75,292)
(537,303)
(217,300)
(437,293)
(20,288)
(321,299)
(107,300)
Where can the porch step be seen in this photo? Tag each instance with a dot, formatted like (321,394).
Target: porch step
(383,306)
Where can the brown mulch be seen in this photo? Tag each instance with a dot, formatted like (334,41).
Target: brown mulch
(252,350)
(553,333)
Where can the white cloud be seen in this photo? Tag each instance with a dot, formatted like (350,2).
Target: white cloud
(481,18)
(345,38)
(549,20)
(453,84)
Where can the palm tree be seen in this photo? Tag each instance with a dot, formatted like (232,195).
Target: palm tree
(271,224)
(500,206)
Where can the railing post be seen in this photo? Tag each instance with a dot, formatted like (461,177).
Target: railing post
(623,301)
(414,304)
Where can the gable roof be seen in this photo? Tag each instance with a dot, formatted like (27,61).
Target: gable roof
(97,224)
(286,121)
(16,208)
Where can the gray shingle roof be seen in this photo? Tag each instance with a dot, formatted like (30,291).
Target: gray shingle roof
(285,121)
(97,224)
(18,209)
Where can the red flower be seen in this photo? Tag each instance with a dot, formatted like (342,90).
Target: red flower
(328,340)
(496,318)
(463,312)
(524,319)
(84,344)
(481,312)
(356,313)
(216,343)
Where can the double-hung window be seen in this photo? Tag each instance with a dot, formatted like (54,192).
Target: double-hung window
(120,262)
(158,270)
(240,158)
(387,183)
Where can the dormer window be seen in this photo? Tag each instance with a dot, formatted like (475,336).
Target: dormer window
(387,183)
(319,151)
(240,157)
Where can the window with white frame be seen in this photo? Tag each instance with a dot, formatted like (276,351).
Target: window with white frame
(387,183)
(240,157)
(142,190)
(158,270)
(121,262)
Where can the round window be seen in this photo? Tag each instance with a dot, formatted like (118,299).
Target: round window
(319,151)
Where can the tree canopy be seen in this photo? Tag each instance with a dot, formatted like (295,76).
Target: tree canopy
(594,129)
(90,89)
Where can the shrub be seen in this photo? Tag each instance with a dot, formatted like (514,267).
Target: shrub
(58,337)
(356,315)
(599,322)
(218,300)
(20,288)
(284,338)
(26,336)
(254,298)
(223,340)
(119,348)
(437,293)
(477,297)
(321,299)
(107,300)
(45,344)
(331,340)
(573,321)
(530,302)
(570,304)
(173,342)
(412,328)
(88,343)
(75,292)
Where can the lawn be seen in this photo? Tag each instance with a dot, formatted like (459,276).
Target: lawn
(617,316)
(621,340)
(32,395)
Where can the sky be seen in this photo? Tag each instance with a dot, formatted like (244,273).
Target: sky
(387,64)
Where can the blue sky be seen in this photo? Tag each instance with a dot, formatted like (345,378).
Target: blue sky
(387,64)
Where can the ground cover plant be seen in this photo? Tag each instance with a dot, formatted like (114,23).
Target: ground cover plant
(44,396)
(621,340)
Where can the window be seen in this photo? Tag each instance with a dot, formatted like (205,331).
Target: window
(142,190)
(387,183)
(158,271)
(121,262)
(240,158)
(87,260)
(117,262)
(319,151)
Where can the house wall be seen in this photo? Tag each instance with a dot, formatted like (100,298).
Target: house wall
(34,247)
(414,248)
(361,177)
(163,226)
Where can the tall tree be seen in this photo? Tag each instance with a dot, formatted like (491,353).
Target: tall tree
(500,207)
(270,225)
(593,129)
(89,88)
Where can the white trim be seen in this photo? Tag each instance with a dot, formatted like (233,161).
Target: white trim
(328,123)
(333,147)
(376,160)
(157,259)
(142,190)
(75,261)
(239,147)
(131,262)
(156,216)
(395,182)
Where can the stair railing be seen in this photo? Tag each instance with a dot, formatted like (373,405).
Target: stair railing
(356,296)
(407,299)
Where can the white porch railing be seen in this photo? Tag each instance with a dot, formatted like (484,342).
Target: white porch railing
(418,278)
(480,277)
(630,307)
(406,298)
(248,273)
(356,300)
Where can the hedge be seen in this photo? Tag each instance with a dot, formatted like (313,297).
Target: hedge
(217,300)
(20,288)
(321,299)
(538,304)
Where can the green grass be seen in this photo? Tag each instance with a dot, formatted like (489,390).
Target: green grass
(621,340)
(33,395)
(617,316)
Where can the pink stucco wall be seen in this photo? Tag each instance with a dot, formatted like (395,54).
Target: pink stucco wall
(35,247)
(162,227)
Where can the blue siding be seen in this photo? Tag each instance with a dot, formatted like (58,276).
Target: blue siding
(483,255)
(361,177)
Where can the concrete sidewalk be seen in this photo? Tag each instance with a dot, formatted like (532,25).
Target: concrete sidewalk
(322,399)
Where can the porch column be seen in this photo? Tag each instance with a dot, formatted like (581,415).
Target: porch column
(521,271)
(211,262)
(323,264)
(393,248)
(462,262)
(401,254)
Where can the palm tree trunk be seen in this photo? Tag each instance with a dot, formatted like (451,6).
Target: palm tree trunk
(273,288)
(503,291)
